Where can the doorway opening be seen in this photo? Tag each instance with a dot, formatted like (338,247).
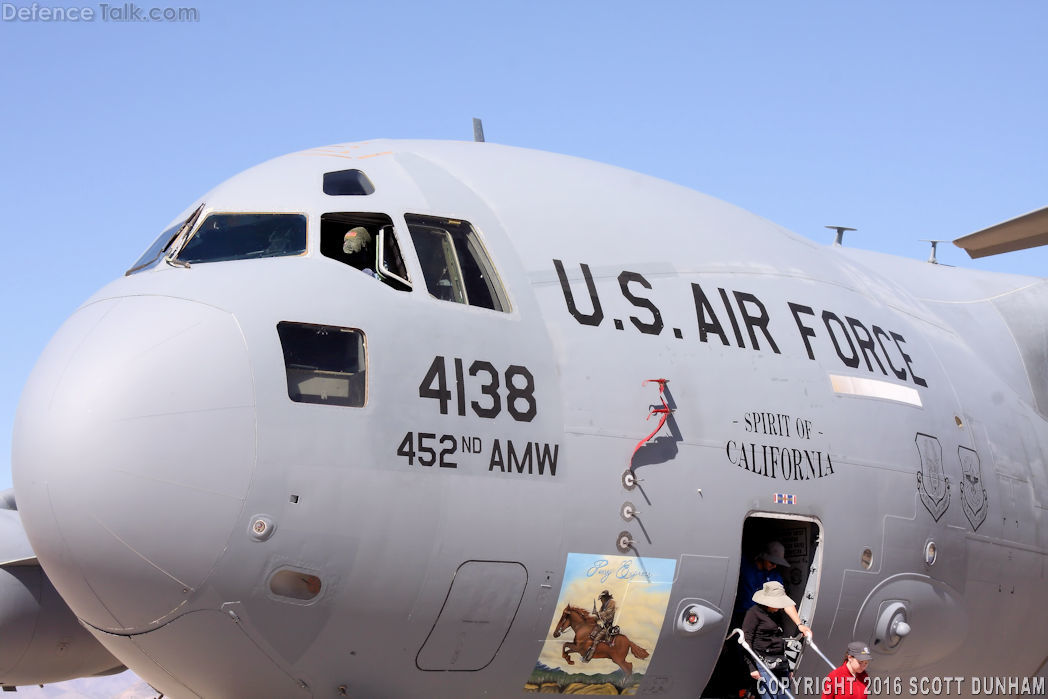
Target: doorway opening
(801,540)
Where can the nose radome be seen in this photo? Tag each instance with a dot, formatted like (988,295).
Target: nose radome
(134,446)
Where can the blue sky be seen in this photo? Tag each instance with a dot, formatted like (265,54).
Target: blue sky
(904,119)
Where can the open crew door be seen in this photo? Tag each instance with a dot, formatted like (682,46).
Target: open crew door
(800,538)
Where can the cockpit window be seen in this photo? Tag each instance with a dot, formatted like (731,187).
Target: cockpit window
(347,183)
(162,242)
(324,364)
(158,246)
(367,242)
(454,262)
(224,237)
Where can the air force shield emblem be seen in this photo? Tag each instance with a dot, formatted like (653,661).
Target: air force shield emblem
(932,483)
(973,495)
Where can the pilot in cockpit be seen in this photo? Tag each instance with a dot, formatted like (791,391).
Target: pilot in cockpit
(358,246)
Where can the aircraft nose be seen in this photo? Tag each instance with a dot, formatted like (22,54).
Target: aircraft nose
(134,446)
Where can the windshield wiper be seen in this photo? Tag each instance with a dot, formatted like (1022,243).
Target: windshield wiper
(181,238)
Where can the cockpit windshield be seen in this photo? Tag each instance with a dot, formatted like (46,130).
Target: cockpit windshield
(163,242)
(158,246)
(224,237)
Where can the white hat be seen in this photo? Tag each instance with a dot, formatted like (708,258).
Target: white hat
(772,595)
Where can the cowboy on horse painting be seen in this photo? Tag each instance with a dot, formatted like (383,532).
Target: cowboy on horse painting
(604,630)
(632,593)
(586,644)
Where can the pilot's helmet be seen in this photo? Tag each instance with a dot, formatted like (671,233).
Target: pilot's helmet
(355,240)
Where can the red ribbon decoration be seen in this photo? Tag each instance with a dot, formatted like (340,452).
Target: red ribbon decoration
(664,411)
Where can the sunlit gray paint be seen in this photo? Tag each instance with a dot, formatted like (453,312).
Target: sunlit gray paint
(156,428)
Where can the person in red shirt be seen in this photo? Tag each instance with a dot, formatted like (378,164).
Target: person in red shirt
(849,680)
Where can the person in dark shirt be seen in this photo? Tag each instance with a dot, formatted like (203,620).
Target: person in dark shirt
(762,629)
(765,568)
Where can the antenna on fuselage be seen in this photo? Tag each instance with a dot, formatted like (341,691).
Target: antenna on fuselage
(478,130)
(931,257)
(839,240)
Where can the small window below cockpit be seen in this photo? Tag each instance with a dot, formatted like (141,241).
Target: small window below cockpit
(224,237)
(366,242)
(324,364)
(456,265)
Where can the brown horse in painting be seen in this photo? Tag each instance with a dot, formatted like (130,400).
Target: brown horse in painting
(582,623)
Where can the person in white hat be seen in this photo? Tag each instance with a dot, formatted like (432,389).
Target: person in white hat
(762,628)
(849,680)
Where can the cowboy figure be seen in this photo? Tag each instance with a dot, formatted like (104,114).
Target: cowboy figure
(603,629)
